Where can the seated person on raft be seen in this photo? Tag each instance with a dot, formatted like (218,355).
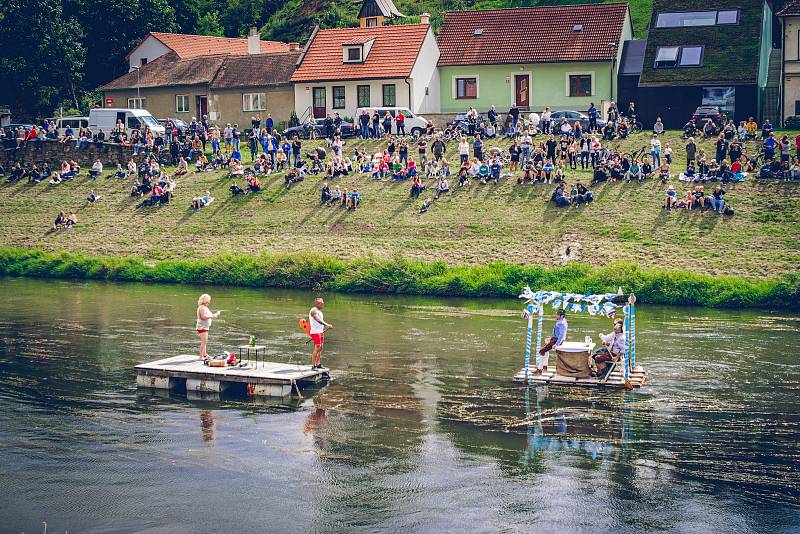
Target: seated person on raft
(614,346)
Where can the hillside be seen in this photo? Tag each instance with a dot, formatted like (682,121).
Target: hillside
(472,225)
(295,19)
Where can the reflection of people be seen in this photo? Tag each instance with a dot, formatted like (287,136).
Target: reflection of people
(614,346)
(558,337)
(317,332)
(315,420)
(204,317)
(207,425)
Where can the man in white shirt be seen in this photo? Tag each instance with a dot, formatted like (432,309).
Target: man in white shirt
(317,332)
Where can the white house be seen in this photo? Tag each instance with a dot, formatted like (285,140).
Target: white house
(186,46)
(344,69)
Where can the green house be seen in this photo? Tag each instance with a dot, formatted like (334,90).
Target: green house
(562,57)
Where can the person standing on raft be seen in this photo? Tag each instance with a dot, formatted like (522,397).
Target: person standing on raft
(204,317)
(317,332)
(558,337)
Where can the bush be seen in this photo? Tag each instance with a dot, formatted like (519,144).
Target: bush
(398,275)
(293,120)
(792,123)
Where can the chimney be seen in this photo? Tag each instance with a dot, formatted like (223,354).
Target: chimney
(253,41)
(425,18)
(294,46)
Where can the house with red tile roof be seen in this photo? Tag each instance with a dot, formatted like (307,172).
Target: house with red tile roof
(561,57)
(371,66)
(228,87)
(185,46)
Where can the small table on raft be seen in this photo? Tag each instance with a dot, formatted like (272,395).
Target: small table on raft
(573,359)
(255,349)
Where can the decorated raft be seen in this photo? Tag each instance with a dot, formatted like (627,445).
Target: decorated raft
(571,356)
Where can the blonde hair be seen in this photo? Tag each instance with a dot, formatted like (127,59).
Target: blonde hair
(205,298)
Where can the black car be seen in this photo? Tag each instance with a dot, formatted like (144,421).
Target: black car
(707,112)
(572,117)
(346,129)
(460,121)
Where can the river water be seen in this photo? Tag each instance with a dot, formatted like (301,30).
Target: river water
(420,430)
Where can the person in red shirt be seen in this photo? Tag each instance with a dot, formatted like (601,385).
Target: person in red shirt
(797,144)
(400,119)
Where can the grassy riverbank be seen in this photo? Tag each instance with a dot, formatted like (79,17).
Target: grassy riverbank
(321,272)
(471,227)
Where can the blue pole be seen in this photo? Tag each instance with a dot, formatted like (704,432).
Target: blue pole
(633,337)
(539,334)
(529,309)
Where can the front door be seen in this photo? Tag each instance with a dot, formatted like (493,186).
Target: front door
(202,106)
(319,102)
(522,90)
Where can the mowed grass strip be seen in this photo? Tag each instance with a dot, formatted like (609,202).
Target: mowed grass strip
(471,225)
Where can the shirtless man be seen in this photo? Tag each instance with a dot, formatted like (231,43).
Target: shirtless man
(318,327)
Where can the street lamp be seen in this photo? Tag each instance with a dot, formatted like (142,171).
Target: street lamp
(613,47)
(136,68)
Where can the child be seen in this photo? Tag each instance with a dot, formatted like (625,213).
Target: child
(671,198)
(120,171)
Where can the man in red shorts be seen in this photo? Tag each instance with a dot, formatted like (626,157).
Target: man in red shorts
(317,332)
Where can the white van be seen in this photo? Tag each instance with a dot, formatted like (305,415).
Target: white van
(134,119)
(72,121)
(415,124)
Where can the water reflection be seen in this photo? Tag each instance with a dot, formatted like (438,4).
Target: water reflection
(207,426)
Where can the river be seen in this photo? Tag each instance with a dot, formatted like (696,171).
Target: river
(420,430)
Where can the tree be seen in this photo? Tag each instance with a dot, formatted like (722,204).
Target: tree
(41,57)
(209,25)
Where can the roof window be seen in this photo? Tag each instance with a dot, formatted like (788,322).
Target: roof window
(577,28)
(690,19)
(679,56)
(478,32)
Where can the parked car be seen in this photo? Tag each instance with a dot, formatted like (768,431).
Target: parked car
(345,130)
(707,112)
(572,117)
(182,126)
(134,119)
(460,121)
(415,124)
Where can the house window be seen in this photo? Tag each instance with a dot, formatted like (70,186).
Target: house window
(697,18)
(363,96)
(354,54)
(338,97)
(580,85)
(797,107)
(389,95)
(136,103)
(254,101)
(182,103)
(372,22)
(679,56)
(466,88)
(143,61)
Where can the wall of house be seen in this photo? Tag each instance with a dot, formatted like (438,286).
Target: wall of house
(228,102)
(676,104)
(151,48)
(160,102)
(303,92)
(549,85)
(425,77)
(791,66)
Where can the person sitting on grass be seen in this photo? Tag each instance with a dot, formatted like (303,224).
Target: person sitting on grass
(527,173)
(699,197)
(671,198)
(483,172)
(183,167)
(253,184)
(119,173)
(355,200)
(236,168)
(600,174)
(647,170)
(325,197)
(96,170)
(294,176)
(416,187)
(494,170)
(202,164)
(634,172)
(201,201)
(663,172)
(445,170)
(717,202)
(547,170)
(60,221)
(425,205)
(91,198)
(582,195)
(336,197)
(560,197)
(463,175)
(236,190)
(72,219)
(442,186)
(412,168)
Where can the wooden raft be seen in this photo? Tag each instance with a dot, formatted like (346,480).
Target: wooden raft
(267,379)
(615,380)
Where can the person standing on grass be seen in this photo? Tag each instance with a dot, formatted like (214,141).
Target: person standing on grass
(204,317)
(317,332)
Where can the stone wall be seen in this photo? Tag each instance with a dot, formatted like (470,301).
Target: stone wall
(440,120)
(54,153)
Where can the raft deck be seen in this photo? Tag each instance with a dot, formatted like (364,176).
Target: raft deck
(615,380)
(266,379)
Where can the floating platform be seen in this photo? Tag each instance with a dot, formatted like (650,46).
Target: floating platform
(615,380)
(260,379)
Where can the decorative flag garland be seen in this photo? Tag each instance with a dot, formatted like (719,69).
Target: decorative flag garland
(575,302)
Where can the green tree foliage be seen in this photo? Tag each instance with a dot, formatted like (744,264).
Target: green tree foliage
(209,24)
(41,56)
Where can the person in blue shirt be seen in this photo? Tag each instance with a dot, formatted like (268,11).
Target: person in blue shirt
(558,337)
(494,170)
